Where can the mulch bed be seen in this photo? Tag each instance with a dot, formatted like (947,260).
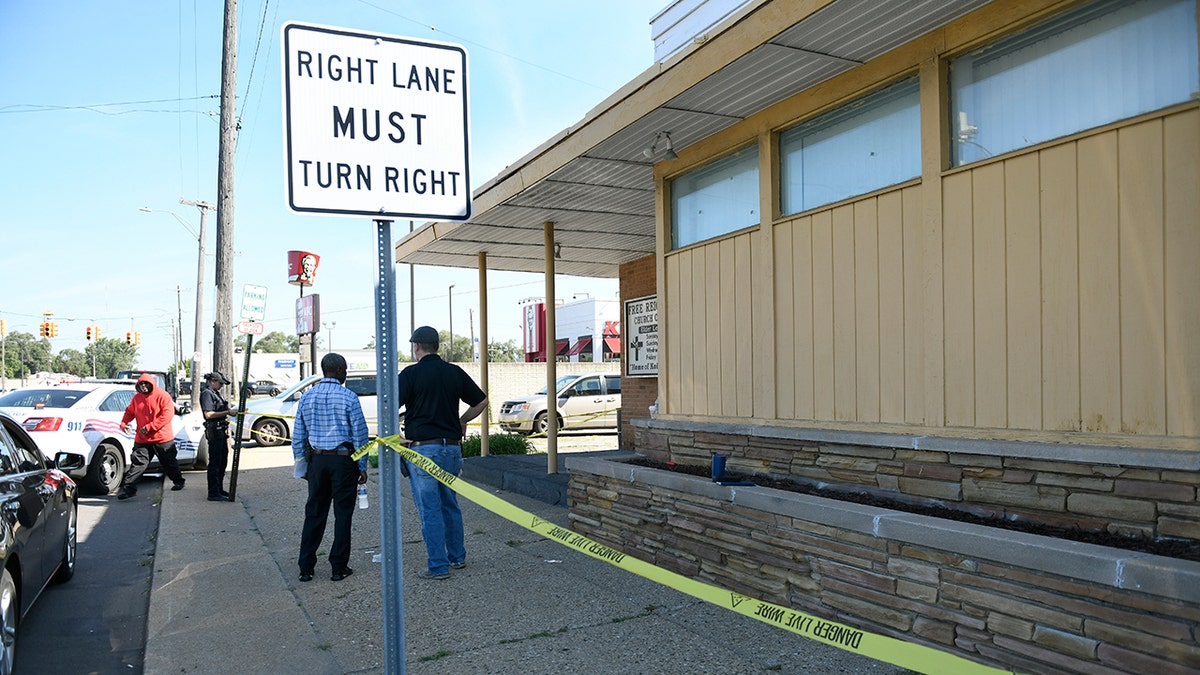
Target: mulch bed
(1184,549)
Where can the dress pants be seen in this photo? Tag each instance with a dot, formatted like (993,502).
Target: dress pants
(331,478)
(218,459)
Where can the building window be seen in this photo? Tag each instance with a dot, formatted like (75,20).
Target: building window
(715,199)
(1097,64)
(860,147)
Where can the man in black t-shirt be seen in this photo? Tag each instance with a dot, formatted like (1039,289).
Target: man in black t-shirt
(430,391)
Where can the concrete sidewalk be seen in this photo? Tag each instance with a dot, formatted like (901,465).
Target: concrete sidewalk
(225,595)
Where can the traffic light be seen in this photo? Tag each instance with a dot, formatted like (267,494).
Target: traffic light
(129,337)
(44,329)
(89,333)
(96,333)
(53,329)
(3,328)
(137,338)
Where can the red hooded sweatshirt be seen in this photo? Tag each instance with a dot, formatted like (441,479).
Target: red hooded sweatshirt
(154,413)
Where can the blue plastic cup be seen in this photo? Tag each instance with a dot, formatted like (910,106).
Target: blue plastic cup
(718,466)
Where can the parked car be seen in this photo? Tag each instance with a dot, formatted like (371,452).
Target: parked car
(586,401)
(269,421)
(263,388)
(39,530)
(84,419)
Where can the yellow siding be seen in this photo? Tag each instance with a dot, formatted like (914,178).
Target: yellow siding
(1059,217)
(728,329)
(845,398)
(892,288)
(866,311)
(822,321)
(1140,236)
(1099,322)
(1023,297)
(698,326)
(802,320)
(785,351)
(991,359)
(1182,245)
(958,301)
(742,316)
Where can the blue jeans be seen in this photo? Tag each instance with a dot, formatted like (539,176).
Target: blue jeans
(441,519)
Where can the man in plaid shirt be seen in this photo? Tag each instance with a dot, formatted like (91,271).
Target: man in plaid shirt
(329,426)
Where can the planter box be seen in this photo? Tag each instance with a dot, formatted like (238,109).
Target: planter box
(1022,601)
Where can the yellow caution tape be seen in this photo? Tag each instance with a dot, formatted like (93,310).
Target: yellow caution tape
(909,655)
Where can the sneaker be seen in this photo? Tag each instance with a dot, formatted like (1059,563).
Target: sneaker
(426,574)
(458,565)
(177,487)
(341,574)
(126,494)
(306,576)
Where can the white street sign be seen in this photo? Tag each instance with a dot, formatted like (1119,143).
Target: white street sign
(254,302)
(375,125)
(639,330)
(251,327)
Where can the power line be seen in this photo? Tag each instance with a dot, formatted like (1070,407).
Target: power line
(95,107)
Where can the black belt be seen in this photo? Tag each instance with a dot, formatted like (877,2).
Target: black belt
(439,441)
(343,453)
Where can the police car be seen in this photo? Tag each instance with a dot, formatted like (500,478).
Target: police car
(85,419)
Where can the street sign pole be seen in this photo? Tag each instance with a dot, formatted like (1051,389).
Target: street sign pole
(241,419)
(389,463)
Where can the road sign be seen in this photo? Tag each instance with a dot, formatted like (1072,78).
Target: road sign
(375,125)
(254,302)
(250,327)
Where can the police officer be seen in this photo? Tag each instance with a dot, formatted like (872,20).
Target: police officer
(216,429)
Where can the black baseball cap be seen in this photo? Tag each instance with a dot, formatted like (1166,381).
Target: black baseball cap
(214,375)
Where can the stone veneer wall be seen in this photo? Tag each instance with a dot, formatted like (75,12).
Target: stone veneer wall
(1126,491)
(1030,603)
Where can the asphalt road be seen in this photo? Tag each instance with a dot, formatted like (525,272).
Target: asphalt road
(96,622)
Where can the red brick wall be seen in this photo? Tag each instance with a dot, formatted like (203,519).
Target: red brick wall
(638,279)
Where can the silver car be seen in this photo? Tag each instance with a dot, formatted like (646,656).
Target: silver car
(586,401)
(269,421)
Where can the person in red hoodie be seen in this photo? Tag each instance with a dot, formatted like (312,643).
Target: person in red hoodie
(154,411)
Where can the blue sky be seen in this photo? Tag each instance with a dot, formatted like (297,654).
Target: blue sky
(109,107)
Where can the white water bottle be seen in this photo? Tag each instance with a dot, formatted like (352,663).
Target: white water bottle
(362,496)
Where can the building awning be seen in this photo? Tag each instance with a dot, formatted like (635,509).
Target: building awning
(580,345)
(593,179)
(561,347)
(539,356)
(613,344)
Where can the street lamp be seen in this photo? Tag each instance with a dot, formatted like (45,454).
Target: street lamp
(329,331)
(450,302)
(198,345)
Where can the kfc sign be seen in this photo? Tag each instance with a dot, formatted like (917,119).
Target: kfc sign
(302,267)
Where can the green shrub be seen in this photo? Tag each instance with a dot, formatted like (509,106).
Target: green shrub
(498,444)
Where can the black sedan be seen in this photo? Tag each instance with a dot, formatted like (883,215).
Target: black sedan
(38,527)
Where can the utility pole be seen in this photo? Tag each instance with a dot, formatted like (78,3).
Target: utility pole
(223,325)
(198,344)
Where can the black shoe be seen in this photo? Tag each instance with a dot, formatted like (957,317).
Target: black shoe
(177,487)
(306,576)
(341,574)
(218,498)
(126,494)
(225,494)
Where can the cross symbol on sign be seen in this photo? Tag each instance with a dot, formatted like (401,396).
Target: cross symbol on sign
(636,343)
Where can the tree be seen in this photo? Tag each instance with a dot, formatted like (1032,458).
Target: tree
(24,353)
(505,352)
(74,362)
(274,342)
(111,356)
